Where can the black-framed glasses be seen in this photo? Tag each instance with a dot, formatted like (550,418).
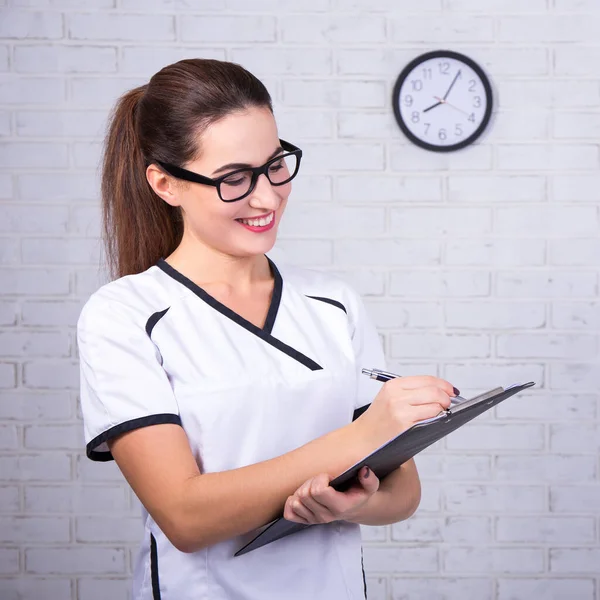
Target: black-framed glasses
(238,184)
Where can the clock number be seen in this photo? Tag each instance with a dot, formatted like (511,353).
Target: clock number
(427,74)
(442,134)
(417,85)
(458,130)
(477,101)
(472,85)
(444,68)
(415,117)
(472,117)
(408,100)
(427,126)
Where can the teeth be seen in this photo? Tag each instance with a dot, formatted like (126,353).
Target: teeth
(258,222)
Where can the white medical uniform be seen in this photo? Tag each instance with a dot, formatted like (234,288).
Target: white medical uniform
(156,348)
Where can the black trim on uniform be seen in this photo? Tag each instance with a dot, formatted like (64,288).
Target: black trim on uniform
(154,319)
(362,563)
(130,425)
(329,301)
(154,569)
(265,332)
(359,411)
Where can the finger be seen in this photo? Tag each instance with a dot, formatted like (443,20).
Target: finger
(289,514)
(413,382)
(428,395)
(368,480)
(318,512)
(300,509)
(425,411)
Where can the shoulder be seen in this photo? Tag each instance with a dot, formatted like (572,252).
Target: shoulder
(131,299)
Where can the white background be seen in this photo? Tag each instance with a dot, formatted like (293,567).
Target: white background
(480,266)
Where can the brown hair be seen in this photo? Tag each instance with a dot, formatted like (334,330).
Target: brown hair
(162,121)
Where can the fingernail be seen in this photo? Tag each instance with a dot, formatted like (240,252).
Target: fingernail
(456,392)
(367,472)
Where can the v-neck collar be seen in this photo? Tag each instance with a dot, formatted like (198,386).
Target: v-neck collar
(226,311)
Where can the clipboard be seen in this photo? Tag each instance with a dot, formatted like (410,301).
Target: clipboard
(392,454)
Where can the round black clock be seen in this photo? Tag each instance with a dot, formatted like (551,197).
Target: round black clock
(442,101)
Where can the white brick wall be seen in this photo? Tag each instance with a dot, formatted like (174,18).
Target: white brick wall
(479,266)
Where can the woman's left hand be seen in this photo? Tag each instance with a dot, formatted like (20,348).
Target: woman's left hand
(315,501)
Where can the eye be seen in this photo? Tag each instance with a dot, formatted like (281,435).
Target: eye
(237,179)
(276,166)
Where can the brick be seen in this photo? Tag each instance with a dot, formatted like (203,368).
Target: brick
(581,438)
(449,529)
(555,407)
(343,157)
(582,377)
(8,376)
(293,61)
(58,186)
(582,589)
(87,281)
(554,468)
(33,155)
(8,313)
(545,529)
(3,58)
(79,560)
(17,529)
(416,559)
(454,467)
(576,61)
(51,313)
(34,281)
(147,60)
(420,315)
(486,376)
(312,220)
(495,252)
(427,221)
(22,588)
(114,530)
(547,220)
(497,436)
(341,29)
(410,158)
(544,157)
(574,560)
(376,588)
(19,24)
(173,5)
(54,375)
(10,253)
(104,26)
(94,92)
(30,406)
(98,4)
(576,125)
(61,124)
(439,587)
(569,6)
(315,188)
(449,284)
(366,125)
(366,282)
(383,6)
(384,252)
(433,345)
(576,315)
(238,29)
(36,467)
(61,251)
(90,472)
(542,284)
(576,188)
(33,219)
(54,437)
(6,186)
(538,345)
(382,188)
(65,59)
(277,6)
(5,123)
(9,561)
(521,125)
(367,94)
(575,498)
(431,498)
(373,534)
(79,500)
(87,221)
(497,6)
(38,343)
(457,28)
(99,589)
(493,560)
(32,91)
(303,124)
(547,28)
(306,252)
(574,252)
(495,498)
(9,437)
(87,155)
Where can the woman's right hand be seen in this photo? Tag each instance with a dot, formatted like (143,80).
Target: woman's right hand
(403,401)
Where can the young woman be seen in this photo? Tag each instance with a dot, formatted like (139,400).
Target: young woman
(224,385)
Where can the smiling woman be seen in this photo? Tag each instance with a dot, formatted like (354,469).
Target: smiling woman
(223,385)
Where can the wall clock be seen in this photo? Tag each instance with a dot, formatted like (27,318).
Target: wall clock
(442,101)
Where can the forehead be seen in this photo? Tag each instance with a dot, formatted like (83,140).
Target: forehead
(242,137)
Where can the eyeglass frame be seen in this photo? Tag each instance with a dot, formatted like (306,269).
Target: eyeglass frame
(289,149)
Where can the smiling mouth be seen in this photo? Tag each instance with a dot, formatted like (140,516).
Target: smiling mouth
(258,222)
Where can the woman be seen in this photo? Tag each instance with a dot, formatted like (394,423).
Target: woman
(222,384)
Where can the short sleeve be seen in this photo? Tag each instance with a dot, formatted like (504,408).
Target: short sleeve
(368,351)
(123,385)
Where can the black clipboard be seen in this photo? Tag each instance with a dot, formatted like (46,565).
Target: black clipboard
(392,454)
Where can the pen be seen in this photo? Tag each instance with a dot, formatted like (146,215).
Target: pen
(383,376)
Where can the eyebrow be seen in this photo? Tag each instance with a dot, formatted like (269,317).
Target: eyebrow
(233,166)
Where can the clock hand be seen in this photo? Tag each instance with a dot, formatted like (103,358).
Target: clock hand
(433,105)
(442,101)
(452,84)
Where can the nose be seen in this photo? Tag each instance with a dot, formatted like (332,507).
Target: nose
(264,194)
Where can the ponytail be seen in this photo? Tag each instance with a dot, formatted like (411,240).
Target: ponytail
(139,227)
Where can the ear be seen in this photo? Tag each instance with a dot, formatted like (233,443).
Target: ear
(163,185)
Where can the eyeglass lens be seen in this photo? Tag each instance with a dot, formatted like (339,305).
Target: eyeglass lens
(239,183)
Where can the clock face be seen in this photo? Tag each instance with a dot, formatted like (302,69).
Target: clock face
(442,101)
